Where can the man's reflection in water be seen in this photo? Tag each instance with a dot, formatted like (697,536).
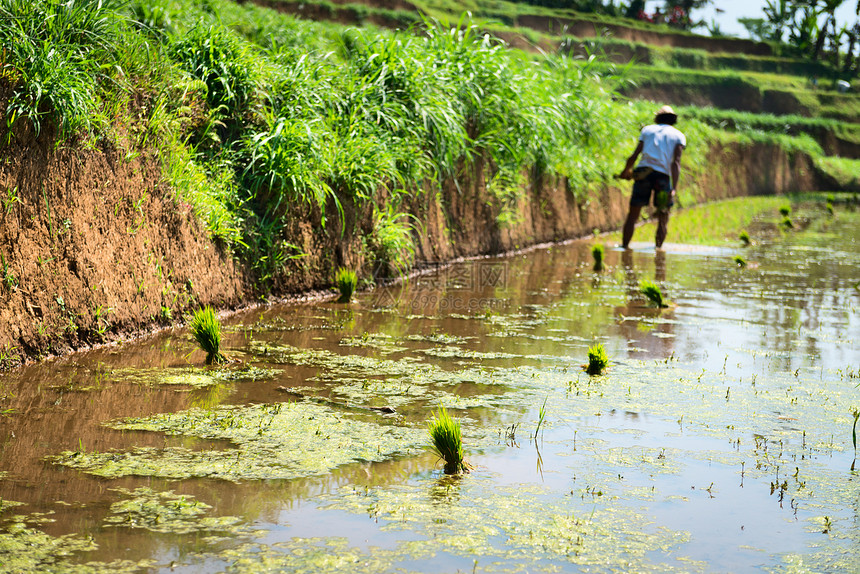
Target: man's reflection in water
(648,330)
(660,267)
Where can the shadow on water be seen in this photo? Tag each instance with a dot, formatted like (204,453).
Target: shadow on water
(718,440)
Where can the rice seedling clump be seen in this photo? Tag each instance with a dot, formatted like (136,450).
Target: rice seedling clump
(653,293)
(745,238)
(598,360)
(347,281)
(740,261)
(207,332)
(447,441)
(597,252)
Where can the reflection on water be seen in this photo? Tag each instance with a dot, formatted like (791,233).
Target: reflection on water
(733,405)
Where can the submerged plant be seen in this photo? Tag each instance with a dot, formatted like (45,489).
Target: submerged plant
(347,281)
(653,293)
(447,441)
(207,332)
(598,360)
(745,238)
(740,261)
(597,252)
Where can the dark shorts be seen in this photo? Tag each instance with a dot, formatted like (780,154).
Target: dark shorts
(656,184)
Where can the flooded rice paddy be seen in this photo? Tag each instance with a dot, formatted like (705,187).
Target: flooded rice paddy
(720,438)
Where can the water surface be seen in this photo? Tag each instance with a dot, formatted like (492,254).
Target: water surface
(719,440)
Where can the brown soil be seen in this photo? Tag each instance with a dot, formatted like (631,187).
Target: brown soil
(94,246)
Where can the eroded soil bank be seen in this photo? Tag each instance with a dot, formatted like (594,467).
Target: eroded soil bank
(96,247)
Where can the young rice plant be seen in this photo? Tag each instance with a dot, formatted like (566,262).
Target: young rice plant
(347,281)
(207,332)
(447,442)
(597,252)
(653,293)
(598,360)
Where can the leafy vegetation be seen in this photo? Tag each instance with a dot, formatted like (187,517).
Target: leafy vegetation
(810,28)
(66,62)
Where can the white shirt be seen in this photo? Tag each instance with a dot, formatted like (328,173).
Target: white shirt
(658,147)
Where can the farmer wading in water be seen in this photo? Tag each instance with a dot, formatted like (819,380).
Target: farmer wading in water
(657,174)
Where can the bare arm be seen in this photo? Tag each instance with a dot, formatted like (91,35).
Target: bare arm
(631,161)
(676,165)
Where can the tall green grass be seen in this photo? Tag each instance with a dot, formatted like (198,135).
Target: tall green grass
(66,61)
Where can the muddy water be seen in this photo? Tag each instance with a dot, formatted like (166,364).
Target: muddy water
(719,440)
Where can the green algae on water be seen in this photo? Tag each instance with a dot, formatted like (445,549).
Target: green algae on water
(382,343)
(284,441)
(194,377)
(167,512)
(507,529)
(538,529)
(27,549)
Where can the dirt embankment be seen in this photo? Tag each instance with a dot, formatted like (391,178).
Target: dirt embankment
(95,246)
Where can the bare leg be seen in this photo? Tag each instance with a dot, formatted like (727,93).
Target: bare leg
(662,227)
(630,225)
